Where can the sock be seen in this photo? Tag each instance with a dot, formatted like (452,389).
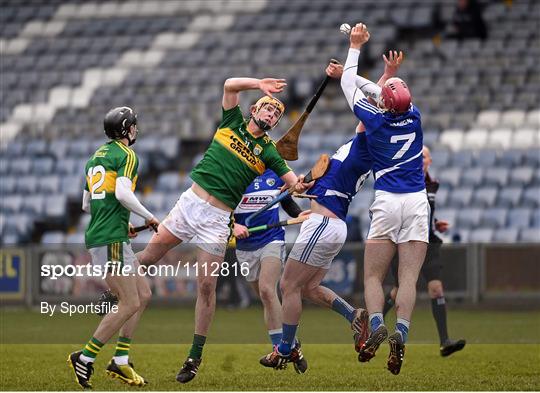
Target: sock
(91,350)
(275,336)
(375,320)
(388,304)
(342,307)
(288,339)
(121,356)
(402,327)
(197,346)
(438,308)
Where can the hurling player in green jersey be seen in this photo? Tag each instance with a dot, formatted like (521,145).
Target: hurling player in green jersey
(111,175)
(240,151)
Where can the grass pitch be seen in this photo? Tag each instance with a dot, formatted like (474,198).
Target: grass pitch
(503,353)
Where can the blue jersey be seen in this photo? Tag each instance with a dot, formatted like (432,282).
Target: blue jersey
(261,191)
(349,167)
(395,144)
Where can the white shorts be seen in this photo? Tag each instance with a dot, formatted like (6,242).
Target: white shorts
(193,220)
(400,217)
(319,241)
(119,252)
(254,259)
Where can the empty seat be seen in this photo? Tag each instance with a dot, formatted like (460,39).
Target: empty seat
(485,157)
(532,156)
(521,176)
(27,184)
(531,197)
(506,235)
(481,235)
(450,176)
(496,176)
(500,138)
(462,158)
(513,118)
(533,118)
(460,197)
(53,237)
(494,217)
(453,138)
(510,158)
(488,118)
(519,218)
(472,177)
(154,201)
(55,208)
(525,138)
(11,204)
(475,138)
(509,196)
(530,235)
(468,218)
(484,196)
(536,218)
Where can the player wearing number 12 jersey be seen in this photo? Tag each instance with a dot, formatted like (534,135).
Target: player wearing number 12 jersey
(400,211)
(111,175)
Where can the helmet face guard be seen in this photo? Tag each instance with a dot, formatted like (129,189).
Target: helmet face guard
(266,100)
(396,96)
(117,124)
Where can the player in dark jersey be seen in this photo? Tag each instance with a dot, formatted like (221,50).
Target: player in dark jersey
(322,236)
(264,252)
(431,269)
(400,211)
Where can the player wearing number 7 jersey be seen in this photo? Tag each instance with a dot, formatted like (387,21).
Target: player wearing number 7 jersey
(111,175)
(400,211)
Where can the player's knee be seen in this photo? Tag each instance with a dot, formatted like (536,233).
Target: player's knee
(206,288)
(267,293)
(130,306)
(145,295)
(435,289)
(286,286)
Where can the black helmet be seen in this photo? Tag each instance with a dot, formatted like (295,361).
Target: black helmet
(118,121)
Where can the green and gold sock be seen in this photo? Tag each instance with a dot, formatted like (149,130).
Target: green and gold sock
(91,350)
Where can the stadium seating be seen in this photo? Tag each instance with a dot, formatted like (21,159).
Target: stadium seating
(65,63)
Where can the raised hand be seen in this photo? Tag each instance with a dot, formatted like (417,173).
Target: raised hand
(392,62)
(359,36)
(270,85)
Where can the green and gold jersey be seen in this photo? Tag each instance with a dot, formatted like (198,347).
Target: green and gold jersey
(109,219)
(235,158)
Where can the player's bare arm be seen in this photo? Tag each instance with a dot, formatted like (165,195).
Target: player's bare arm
(233,86)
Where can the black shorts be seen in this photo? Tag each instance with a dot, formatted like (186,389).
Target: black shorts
(431,269)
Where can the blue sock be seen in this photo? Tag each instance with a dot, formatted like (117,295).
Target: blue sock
(342,307)
(402,327)
(375,320)
(275,336)
(288,339)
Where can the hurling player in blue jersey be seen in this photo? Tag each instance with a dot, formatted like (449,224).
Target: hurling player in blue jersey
(323,234)
(264,252)
(400,211)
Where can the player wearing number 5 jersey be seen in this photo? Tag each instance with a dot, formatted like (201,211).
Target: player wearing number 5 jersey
(400,211)
(111,175)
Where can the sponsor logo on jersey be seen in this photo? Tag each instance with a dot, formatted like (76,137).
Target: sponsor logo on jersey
(401,123)
(229,140)
(254,202)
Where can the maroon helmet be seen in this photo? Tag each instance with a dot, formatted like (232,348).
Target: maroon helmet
(396,96)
